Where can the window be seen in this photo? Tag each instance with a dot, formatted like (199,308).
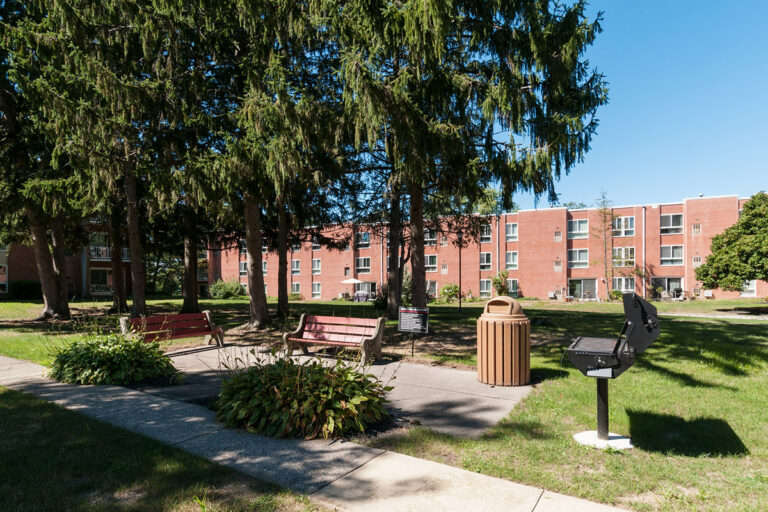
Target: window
(512,288)
(578,228)
(557,266)
(3,278)
(316,289)
(485,261)
(369,288)
(443,240)
(696,229)
(264,267)
(243,268)
(430,237)
(316,266)
(623,256)
(558,236)
(444,268)
(578,258)
(295,287)
(432,289)
(671,285)
(362,265)
(264,247)
(624,284)
(362,240)
(296,246)
(315,243)
(430,263)
(295,267)
(511,232)
(671,254)
(696,261)
(485,233)
(100,281)
(242,247)
(624,226)
(346,271)
(511,263)
(485,288)
(584,289)
(749,289)
(99,246)
(672,224)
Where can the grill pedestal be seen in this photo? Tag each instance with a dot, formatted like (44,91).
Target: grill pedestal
(602,409)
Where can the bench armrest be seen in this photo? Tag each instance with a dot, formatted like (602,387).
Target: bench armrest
(298,332)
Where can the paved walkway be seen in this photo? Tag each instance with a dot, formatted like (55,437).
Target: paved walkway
(719,316)
(340,474)
(444,399)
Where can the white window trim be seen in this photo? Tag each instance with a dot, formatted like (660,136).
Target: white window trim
(486,239)
(624,260)
(577,235)
(681,260)
(431,240)
(316,271)
(516,258)
(488,293)
(676,226)
(243,268)
(489,264)
(624,280)
(297,287)
(264,267)
(578,263)
(511,237)
(427,266)
(510,291)
(362,269)
(295,269)
(317,294)
(359,243)
(623,231)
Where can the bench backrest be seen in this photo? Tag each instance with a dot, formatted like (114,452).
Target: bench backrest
(185,325)
(338,328)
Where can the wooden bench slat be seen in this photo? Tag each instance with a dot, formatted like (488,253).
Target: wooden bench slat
(172,323)
(327,342)
(167,318)
(332,337)
(340,329)
(342,320)
(171,335)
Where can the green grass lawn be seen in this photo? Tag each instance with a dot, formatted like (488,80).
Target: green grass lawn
(54,460)
(694,404)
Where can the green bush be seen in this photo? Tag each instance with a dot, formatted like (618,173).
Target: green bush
(289,399)
(295,297)
(226,289)
(112,359)
(450,292)
(25,290)
(616,295)
(500,283)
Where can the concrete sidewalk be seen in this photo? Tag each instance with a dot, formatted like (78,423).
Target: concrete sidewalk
(446,400)
(337,473)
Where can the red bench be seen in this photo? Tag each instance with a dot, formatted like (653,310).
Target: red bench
(169,327)
(337,331)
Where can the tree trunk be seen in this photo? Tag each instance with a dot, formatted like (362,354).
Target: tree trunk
(394,274)
(282,269)
(418,283)
(259,316)
(119,302)
(57,241)
(52,306)
(138,276)
(189,287)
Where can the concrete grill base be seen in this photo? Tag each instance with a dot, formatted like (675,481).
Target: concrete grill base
(614,441)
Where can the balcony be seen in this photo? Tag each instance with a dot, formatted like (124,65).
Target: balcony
(101,253)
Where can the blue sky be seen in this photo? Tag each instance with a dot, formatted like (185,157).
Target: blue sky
(688,103)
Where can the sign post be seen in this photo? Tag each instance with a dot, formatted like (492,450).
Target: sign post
(413,321)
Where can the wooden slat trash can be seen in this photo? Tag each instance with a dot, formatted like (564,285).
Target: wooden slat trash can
(503,344)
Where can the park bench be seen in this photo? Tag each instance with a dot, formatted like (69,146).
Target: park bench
(169,327)
(337,331)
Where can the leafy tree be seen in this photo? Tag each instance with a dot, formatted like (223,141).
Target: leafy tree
(740,253)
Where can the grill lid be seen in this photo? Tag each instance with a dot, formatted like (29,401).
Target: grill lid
(642,326)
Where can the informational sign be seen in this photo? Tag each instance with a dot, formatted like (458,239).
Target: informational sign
(413,320)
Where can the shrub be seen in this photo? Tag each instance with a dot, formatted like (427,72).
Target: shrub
(450,292)
(226,289)
(112,359)
(289,399)
(500,283)
(25,290)
(380,301)
(295,297)
(616,295)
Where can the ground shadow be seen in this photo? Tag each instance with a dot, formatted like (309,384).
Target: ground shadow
(674,435)
(539,375)
(749,310)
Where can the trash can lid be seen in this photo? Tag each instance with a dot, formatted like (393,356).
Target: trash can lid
(503,306)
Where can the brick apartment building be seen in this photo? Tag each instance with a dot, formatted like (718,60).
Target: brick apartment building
(548,253)
(552,252)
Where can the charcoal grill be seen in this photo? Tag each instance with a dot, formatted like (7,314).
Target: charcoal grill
(607,358)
